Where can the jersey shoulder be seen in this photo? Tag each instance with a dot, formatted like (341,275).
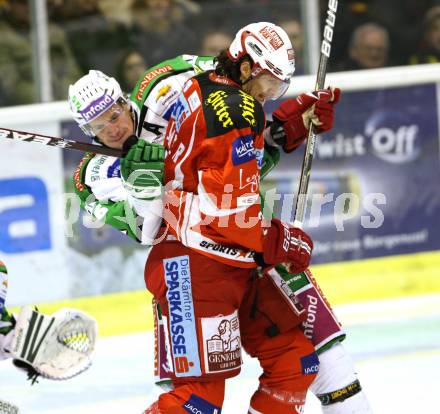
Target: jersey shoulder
(227,107)
(165,92)
(165,69)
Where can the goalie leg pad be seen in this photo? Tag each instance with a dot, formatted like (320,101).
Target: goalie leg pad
(57,346)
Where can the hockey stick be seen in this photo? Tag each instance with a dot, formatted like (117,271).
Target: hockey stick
(301,199)
(58,142)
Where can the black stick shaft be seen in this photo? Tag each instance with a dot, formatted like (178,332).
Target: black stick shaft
(57,142)
(301,199)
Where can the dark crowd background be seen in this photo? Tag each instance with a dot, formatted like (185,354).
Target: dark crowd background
(125,37)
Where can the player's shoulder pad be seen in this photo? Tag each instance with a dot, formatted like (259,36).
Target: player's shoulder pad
(152,75)
(164,93)
(227,108)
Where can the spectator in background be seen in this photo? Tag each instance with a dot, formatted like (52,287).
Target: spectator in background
(429,50)
(98,39)
(129,69)
(214,42)
(294,29)
(64,11)
(17,85)
(64,66)
(404,21)
(16,74)
(232,15)
(368,48)
(164,29)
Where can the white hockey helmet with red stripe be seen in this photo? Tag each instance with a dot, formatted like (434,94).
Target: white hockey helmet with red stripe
(269,47)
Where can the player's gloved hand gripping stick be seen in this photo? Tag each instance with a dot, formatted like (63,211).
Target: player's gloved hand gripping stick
(311,139)
(293,117)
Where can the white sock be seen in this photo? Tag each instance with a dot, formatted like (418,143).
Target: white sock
(336,371)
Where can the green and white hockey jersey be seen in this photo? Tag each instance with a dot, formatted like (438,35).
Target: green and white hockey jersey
(156,92)
(97,179)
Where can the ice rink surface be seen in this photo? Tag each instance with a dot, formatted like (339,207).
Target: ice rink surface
(396,345)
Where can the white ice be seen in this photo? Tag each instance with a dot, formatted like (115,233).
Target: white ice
(396,345)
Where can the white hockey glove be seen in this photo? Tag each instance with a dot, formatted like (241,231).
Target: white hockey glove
(57,346)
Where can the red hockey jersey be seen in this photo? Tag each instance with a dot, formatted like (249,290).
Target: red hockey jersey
(215,150)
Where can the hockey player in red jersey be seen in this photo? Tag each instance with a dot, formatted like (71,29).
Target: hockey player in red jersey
(105,194)
(203,272)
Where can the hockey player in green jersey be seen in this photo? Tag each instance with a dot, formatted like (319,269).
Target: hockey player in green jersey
(102,111)
(106,195)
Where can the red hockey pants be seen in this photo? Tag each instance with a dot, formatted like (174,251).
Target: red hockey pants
(210,310)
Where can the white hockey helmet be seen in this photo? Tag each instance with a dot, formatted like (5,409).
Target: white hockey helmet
(269,47)
(91,96)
